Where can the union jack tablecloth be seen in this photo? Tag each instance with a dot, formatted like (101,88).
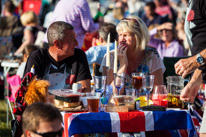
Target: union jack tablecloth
(103,122)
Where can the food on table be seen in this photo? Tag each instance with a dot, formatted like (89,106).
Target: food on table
(66,98)
(174,101)
(143,101)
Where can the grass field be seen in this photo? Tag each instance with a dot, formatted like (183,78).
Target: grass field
(4,130)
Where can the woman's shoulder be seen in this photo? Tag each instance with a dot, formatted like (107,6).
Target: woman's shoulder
(150,51)
(153,60)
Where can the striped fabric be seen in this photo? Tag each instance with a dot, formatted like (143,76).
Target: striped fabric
(196,118)
(86,123)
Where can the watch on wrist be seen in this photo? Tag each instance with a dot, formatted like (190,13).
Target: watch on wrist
(200,59)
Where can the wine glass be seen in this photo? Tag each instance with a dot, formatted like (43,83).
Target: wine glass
(119,82)
(137,82)
(147,85)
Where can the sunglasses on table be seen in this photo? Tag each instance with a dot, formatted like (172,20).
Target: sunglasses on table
(51,134)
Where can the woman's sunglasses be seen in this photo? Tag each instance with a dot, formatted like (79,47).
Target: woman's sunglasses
(131,19)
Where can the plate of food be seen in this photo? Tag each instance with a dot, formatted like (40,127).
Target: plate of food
(66,98)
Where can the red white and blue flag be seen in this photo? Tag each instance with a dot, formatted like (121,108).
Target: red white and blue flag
(86,123)
(196,118)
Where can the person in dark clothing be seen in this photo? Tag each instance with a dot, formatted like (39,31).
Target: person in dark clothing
(11,26)
(195,25)
(150,17)
(61,64)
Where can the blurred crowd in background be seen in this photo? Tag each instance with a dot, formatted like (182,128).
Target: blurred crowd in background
(24,23)
(153,13)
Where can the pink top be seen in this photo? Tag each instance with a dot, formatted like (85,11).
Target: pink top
(77,13)
(163,11)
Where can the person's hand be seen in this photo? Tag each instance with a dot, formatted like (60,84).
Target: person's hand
(186,66)
(122,54)
(166,25)
(190,91)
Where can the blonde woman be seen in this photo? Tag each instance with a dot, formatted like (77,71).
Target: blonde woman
(30,21)
(133,53)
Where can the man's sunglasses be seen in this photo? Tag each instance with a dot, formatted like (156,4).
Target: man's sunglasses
(51,134)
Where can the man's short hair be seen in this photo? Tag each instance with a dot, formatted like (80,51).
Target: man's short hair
(107,28)
(56,31)
(36,112)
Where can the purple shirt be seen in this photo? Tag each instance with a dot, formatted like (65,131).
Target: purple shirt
(77,13)
(173,50)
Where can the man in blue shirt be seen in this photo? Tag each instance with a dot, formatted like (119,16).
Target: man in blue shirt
(96,54)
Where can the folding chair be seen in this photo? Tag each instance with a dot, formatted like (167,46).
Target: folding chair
(20,105)
(5,44)
(13,86)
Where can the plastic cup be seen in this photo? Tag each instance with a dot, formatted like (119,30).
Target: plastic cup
(93,103)
(130,92)
(77,87)
(159,96)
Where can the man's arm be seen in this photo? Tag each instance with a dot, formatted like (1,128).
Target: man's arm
(187,66)
(82,71)
(203,53)
(190,91)
(85,85)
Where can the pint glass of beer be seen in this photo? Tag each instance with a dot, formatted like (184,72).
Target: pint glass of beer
(93,103)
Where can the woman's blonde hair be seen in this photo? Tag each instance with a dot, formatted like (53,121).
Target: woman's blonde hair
(135,25)
(29,17)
